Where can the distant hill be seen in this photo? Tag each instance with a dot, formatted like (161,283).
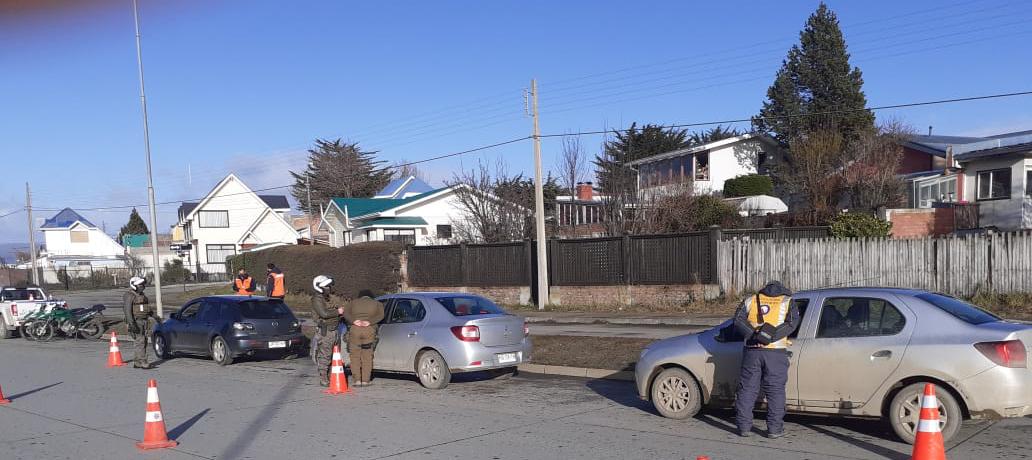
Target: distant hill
(8,250)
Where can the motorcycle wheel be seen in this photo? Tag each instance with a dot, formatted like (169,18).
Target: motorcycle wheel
(92,330)
(26,331)
(43,331)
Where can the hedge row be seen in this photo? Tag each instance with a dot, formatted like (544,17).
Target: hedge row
(374,266)
(748,185)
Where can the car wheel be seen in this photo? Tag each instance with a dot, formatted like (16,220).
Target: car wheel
(4,332)
(676,394)
(433,372)
(161,347)
(220,352)
(905,412)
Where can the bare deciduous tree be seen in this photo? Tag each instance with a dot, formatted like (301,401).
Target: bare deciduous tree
(812,176)
(571,164)
(869,179)
(403,169)
(135,264)
(489,218)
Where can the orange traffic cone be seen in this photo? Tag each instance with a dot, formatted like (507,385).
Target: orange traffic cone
(3,400)
(154,435)
(928,443)
(338,381)
(114,355)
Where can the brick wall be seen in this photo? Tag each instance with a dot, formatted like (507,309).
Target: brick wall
(914,223)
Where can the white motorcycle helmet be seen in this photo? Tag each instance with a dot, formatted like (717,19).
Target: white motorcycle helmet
(321,282)
(137,283)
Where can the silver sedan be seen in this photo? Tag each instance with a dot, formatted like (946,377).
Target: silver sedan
(862,352)
(436,334)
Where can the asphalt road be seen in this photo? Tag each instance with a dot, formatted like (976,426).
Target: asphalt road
(112,298)
(66,404)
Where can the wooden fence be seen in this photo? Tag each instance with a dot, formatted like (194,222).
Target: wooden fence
(958,265)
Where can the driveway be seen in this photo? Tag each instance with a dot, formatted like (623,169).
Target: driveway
(66,404)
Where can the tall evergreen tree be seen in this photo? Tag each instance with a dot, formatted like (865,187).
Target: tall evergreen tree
(815,78)
(633,144)
(338,169)
(135,226)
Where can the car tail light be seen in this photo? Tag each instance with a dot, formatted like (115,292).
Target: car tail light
(14,309)
(526,330)
(466,333)
(1008,353)
(243,326)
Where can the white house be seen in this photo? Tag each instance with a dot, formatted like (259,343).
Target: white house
(231,219)
(73,241)
(419,218)
(706,166)
(997,174)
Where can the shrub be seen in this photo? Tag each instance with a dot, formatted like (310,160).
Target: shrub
(374,266)
(857,225)
(175,272)
(686,213)
(748,185)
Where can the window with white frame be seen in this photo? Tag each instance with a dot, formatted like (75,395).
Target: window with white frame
(940,190)
(994,184)
(407,236)
(213,219)
(218,253)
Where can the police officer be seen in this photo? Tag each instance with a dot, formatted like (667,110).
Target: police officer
(275,284)
(363,315)
(140,319)
(243,284)
(765,320)
(328,320)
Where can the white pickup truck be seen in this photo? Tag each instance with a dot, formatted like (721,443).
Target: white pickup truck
(18,302)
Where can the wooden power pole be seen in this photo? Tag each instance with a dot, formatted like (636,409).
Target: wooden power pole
(539,205)
(32,235)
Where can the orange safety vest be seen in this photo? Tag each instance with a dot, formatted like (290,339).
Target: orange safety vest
(277,286)
(242,285)
(775,310)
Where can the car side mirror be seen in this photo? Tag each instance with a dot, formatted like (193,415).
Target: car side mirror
(174,316)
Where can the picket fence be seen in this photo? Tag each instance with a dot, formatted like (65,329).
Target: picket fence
(957,265)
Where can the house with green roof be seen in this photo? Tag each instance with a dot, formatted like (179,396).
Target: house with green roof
(419,216)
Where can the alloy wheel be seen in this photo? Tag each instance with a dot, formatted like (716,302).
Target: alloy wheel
(430,370)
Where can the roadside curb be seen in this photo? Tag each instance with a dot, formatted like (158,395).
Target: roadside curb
(692,322)
(585,372)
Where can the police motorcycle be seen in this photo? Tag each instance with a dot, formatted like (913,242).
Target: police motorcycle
(86,323)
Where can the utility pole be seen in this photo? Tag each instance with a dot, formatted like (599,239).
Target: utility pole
(539,205)
(308,189)
(32,235)
(150,177)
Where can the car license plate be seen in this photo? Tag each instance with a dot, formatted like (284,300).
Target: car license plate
(280,344)
(505,358)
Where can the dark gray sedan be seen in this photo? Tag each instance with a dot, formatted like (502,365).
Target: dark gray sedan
(225,327)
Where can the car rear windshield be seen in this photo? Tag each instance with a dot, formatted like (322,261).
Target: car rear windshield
(470,306)
(22,294)
(264,309)
(956,307)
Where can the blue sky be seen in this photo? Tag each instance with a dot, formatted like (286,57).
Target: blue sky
(245,86)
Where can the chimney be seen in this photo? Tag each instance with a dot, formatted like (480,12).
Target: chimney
(949,159)
(584,192)
(929,130)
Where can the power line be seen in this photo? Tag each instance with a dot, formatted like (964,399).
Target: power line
(12,213)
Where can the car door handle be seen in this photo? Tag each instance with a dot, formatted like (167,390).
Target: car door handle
(413,334)
(884,354)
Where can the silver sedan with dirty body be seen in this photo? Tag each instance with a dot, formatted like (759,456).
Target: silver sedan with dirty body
(863,352)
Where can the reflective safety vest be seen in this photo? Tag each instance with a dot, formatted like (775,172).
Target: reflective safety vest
(243,285)
(277,285)
(773,311)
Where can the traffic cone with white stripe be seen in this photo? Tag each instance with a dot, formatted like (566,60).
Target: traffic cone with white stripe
(154,435)
(114,354)
(338,381)
(928,444)
(3,400)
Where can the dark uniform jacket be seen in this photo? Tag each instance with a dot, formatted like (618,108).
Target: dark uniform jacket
(136,305)
(323,313)
(365,309)
(775,309)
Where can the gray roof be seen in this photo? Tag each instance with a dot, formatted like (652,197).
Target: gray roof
(1024,147)
(964,146)
(274,202)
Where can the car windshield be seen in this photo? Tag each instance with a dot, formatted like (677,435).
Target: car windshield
(956,307)
(470,306)
(23,294)
(263,309)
